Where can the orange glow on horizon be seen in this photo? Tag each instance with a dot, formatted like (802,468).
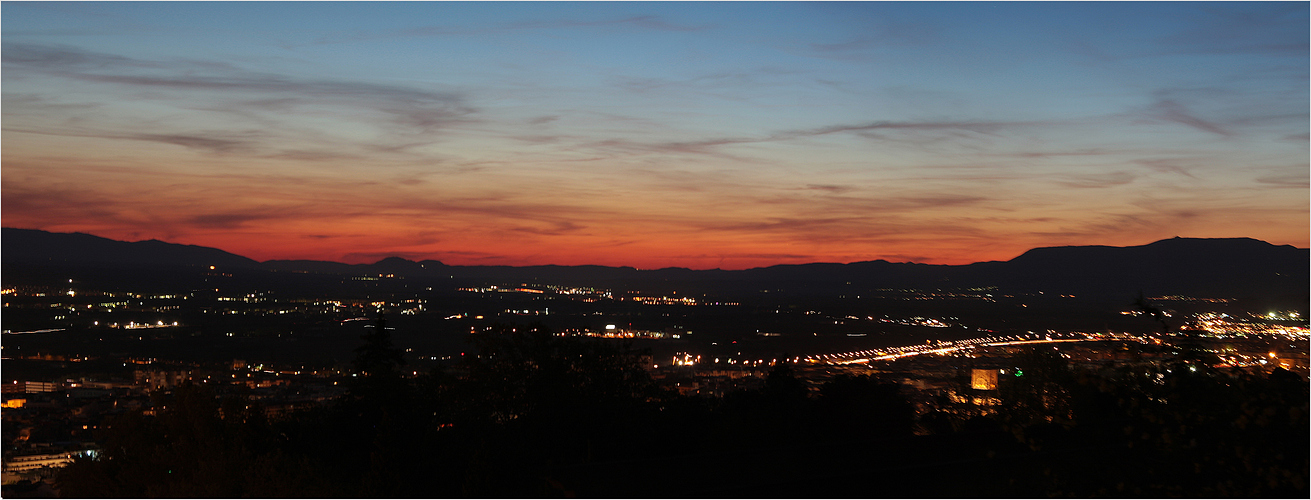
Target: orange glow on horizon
(530,250)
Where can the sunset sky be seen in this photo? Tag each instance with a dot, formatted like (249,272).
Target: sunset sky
(701,135)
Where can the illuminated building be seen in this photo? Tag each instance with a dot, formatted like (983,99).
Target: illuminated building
(984,380)
(29,387)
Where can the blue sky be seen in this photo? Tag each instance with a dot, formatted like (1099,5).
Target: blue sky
(656,134)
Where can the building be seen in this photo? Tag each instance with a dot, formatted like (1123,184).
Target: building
(983,379)
(29,387)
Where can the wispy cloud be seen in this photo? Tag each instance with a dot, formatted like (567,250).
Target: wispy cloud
(62,204)
(64,57)
(1286,181)
(1172,111)
(1220,29)
(557,228)
(1167,165)
(1103,180)
(1058,154)
(711,146)
(877,32)
(373,257)
(226,220)
(544,119)
(646,22)
(210,143)
(220,142)
(828,188)
(256,98)
(841,218)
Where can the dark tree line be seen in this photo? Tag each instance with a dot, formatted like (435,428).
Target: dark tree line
(532,414)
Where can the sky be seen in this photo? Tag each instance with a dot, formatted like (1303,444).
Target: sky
(700,135)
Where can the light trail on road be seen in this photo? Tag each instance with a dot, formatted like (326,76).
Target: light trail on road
(848,358)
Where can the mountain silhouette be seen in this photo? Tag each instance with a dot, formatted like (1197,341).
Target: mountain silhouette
(33,246)
(1203,267)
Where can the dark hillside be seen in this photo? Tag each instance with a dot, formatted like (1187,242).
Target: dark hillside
(1199,267)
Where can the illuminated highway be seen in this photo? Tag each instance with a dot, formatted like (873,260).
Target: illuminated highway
(948,346)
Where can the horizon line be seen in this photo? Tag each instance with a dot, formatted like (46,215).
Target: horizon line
(636,267)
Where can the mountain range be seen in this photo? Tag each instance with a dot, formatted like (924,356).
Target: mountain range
(1199,267)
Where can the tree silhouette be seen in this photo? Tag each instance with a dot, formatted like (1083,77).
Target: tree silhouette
(864,404)
(195,445)
(378,358)
(1157,313)
(533,400)
(1037,392)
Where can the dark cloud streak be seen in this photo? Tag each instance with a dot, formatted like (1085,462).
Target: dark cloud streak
(1171,111)
(1109,179)
(408,116)
(649,22)
(707,146)
(1286,181)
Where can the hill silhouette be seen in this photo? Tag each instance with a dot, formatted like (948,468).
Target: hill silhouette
(35,246)
(1204,267)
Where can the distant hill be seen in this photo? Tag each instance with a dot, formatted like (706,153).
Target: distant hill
(34,246)
(1203,267)
(1210,267)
